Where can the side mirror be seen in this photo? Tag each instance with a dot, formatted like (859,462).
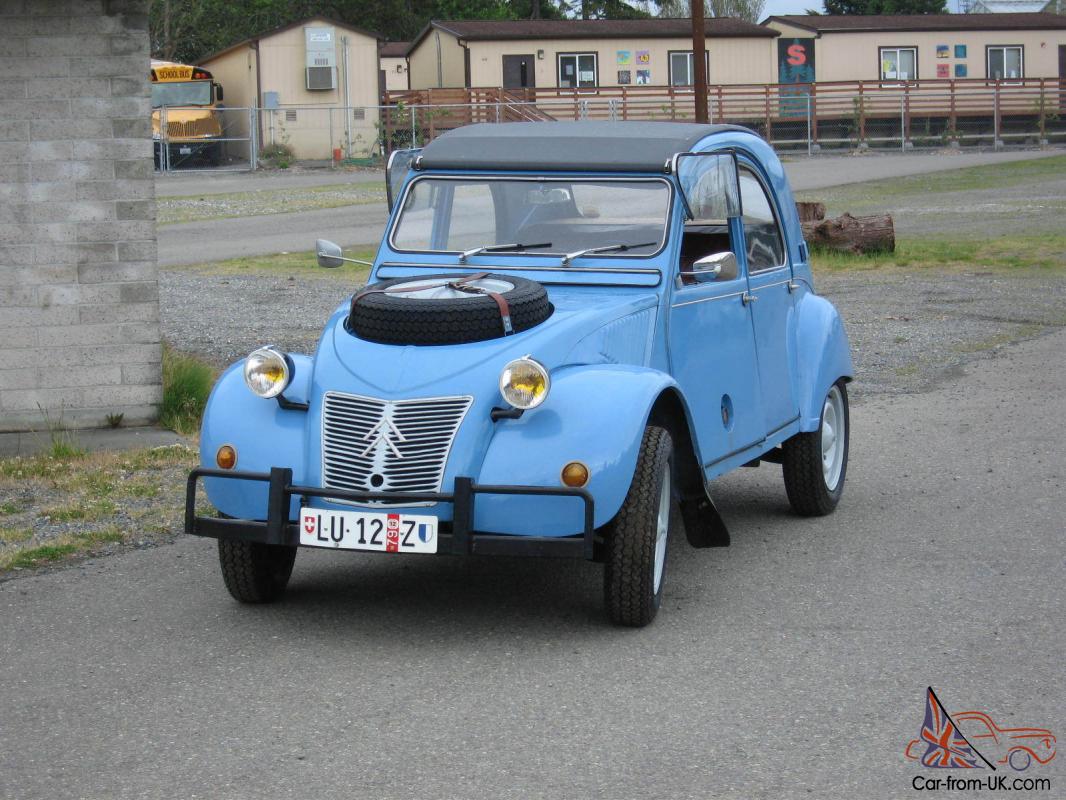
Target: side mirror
(716,267)
(218,93)
(329,254)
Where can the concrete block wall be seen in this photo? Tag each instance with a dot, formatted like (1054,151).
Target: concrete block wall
(79,299)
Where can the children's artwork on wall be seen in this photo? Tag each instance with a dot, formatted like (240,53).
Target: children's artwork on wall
(960,70)
(960,51)
(624,77)
(943,71)
(643,77)
(643,58)
(943,51)
(625,58)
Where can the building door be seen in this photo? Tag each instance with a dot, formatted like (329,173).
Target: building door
(518,72)
(1062,75)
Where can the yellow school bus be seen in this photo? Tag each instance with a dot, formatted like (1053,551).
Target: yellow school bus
(187,98)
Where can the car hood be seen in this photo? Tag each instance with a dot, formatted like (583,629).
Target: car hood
(588,325)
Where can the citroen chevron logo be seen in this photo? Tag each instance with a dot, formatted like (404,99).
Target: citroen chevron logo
(384,435)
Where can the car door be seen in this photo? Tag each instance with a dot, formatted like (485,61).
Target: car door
(713,359)
(769,278)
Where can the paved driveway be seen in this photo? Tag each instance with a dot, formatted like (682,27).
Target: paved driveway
(792,664)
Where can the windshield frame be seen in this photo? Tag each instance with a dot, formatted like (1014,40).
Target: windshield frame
(559,178)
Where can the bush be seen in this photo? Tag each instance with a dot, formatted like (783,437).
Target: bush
(277,155)
(187,382)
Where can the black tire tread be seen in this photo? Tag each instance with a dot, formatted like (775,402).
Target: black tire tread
(629,571)
(391,319)
(801,466)
(253,572)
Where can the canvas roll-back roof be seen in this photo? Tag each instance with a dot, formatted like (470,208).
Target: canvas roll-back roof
(566,146)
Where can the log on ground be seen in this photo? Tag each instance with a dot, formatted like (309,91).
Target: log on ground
(809,211)
(848,234)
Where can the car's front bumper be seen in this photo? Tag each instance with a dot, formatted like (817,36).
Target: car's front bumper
(455,538)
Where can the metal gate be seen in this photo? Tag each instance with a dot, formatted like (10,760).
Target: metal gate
(209,139)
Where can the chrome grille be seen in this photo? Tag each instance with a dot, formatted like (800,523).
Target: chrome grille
(388,446)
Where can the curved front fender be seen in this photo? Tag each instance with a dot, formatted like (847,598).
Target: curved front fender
(825,355)
(594,414)
(263,434)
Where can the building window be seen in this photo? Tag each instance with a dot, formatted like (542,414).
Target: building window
(1005,62)
(577,70)
(899,63)
(681,69)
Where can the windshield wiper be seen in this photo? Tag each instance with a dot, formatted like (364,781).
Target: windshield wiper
(499,248)
(608,249)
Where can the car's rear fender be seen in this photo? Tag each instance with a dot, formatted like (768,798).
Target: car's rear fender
(825,355)
(263,433)
(595,414)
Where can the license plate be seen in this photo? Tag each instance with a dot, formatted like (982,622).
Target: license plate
(362,530)
(185,151)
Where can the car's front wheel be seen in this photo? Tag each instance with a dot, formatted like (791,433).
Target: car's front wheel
(253,572)
(637,537)
(815,464)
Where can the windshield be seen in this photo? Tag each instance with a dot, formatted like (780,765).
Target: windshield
(536,217)
(187,93)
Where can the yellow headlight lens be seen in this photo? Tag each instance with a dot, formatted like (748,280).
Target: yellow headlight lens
(525,383)
(266,371)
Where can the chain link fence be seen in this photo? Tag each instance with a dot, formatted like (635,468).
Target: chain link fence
(197,138)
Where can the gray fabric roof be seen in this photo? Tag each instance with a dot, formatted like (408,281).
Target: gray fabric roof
(594,146)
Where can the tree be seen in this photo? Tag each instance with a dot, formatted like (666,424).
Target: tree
(885,7)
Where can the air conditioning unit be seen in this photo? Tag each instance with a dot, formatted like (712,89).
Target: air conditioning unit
(321,64)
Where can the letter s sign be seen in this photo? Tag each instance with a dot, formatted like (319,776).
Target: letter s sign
(797,55)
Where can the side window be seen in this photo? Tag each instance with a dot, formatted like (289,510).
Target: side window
(762,235)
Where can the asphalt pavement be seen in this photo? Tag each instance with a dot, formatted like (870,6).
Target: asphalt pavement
(218,239)
(792,664)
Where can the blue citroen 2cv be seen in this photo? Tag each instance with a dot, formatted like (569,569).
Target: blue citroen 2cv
(569,329)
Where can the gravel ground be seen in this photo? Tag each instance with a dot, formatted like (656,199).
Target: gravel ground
(172,210)
(908,328)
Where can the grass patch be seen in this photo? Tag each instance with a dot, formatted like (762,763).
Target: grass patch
(87,512)
(292,265)
(187,382)
(195,208)
(1041,252)
(15,535)
(9,508)
(59,549)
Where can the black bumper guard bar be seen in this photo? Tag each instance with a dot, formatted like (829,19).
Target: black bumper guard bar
(279,530)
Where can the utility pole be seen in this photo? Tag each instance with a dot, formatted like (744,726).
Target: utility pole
(699,60)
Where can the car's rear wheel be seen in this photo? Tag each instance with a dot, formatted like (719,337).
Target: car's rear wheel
(638,536)
(253,572)
(1020,760)
(815,464)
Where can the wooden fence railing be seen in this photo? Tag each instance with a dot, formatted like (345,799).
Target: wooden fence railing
(856,104)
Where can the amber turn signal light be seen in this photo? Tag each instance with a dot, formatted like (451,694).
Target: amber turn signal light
(226,457)
(575,475)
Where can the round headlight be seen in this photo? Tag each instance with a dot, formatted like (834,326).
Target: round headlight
(525,383)
(266,371)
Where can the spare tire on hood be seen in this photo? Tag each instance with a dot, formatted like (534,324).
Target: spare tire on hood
(447,309)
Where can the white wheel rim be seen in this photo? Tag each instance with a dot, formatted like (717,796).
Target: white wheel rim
(440,290)
(662,527)
(834,437)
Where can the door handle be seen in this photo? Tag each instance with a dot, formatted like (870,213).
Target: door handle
(748,298)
